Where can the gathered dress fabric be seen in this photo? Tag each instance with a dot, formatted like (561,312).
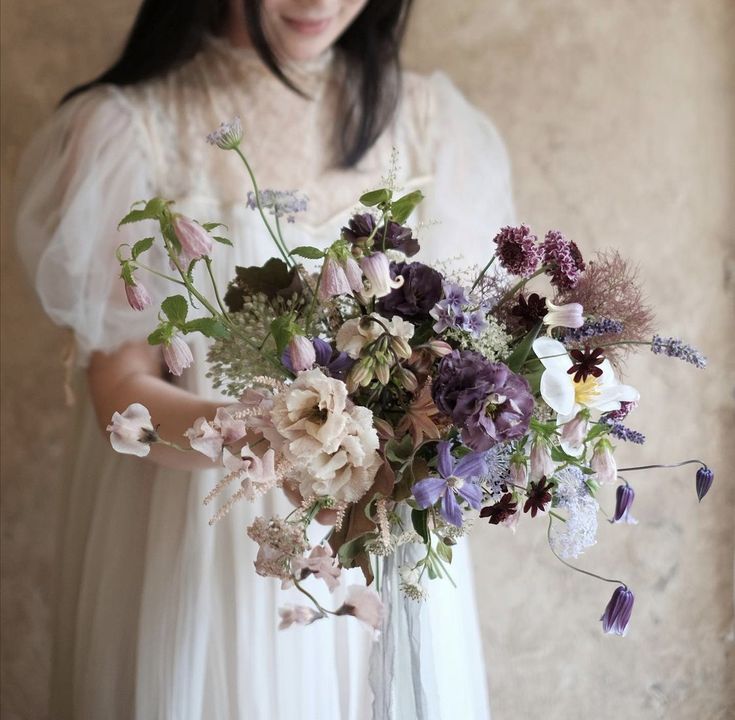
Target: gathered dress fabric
(158,615)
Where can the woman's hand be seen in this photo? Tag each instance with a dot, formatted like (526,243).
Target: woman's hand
(135,373)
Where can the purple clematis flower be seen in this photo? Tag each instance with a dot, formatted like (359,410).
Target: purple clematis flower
(617,614)
(456,478)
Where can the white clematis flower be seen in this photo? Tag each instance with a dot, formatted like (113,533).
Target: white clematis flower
(567,397)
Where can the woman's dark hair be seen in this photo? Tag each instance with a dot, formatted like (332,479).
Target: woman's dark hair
(167,34)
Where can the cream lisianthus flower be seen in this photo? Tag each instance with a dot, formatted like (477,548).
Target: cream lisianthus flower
(567,397)
(333,446)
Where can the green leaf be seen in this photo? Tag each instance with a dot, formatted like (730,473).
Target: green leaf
(444,551)
(376,197)
(213,226)
(208,326)
(558,455)
(141,246)
(420,523)
(597,430)
(152,211)
(519,356)
(404,206)
(399,451)
(307,251)
(222,240)
(282,332)
(161,334)
(175,309)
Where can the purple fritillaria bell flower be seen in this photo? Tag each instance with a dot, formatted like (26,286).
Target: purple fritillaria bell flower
(456,478)
(617,614)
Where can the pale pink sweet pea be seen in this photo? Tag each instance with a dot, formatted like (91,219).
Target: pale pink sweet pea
(364,604)
(256,474)
(195,241)
(297,614)
(231,429)
(377,271)
(177,355)
(321,563)
(567,397)
(137,295)
(132,431)
(567,316)
(205,439)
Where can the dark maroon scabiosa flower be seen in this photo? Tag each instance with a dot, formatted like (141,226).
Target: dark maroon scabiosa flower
(616,618)
(585,363)
(501,510)
(530,310)
(517,251)
(539,496)
(421,290)
(563,258)
(705,476)
(487,400)
(624,497)
(358,227)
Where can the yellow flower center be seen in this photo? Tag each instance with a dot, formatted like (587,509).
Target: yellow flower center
(586,391)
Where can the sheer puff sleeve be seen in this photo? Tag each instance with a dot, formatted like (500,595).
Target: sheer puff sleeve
(471,196)
(77,179)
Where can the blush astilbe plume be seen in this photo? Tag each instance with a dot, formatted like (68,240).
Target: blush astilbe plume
(610,288)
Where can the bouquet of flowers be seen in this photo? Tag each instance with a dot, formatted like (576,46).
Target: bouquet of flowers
(402,401)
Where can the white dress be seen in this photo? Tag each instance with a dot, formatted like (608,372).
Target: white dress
(159,615)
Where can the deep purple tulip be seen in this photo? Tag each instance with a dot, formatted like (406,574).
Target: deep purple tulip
(704,481)
(617,614)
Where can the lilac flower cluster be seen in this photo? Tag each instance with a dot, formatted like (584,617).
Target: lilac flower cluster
(621,432)
(227,136)
(281,203)
(517,251)
(594,328)
(454,312)
(673,347)
(563,257)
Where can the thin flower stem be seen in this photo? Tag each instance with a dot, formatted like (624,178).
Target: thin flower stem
(208,263)
(520,285)
(160,274)
(654,467)
(573,567)
(282,249)
(482,274)
(321,609)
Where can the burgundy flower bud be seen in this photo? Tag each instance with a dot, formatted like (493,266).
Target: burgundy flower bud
(624,497)
(617,614)
(705,476)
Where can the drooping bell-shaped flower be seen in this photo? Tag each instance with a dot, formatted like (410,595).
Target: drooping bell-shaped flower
(617,614)
(566,316)
(301,353)
(137,295)
(377,271)
(334,280)
(603,463)
(574,432)
(540,460)
(705,476)
(177,355)
(195,241)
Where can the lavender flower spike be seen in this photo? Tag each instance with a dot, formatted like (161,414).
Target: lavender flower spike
(617,614)
(594,328)
(705,476)
(673,347)
(621,432)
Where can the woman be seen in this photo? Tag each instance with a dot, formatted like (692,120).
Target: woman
(160,615)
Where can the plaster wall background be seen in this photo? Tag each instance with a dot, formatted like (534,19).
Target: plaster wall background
(619,118)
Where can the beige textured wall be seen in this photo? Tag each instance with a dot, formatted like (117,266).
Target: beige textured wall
(619,117)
